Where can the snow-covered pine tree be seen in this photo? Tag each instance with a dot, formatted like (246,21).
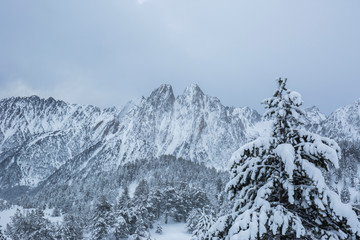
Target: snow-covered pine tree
(70,228)
(345,194)
(277,185)
(204,222)
(102,220)
(30,226)
(158,228)
(141,192)
(154,204)
(121,228)
(141,232)
(124,198)
(121,216)
(2,237)
(169,202)
(193,219)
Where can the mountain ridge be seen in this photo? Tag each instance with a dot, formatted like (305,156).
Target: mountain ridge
(38,136)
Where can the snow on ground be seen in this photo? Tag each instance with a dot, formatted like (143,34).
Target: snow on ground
(48,215)
(172,231)
(132,188)
(5,215)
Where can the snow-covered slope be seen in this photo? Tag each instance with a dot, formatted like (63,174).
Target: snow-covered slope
(192,126)
(37,136)
(342,124)
(40,136)
(313,115)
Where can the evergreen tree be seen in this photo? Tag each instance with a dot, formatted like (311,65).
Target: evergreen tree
(204,222)
(141,192)
(141,232)
(122,216)
(169,200)
(158,228)
(124,198)
(31,226)
(345,194)
(277,183)
(2,237)
(121,228)
(102,220)
(70,229)
(193,219)
(155,203)
(17,228)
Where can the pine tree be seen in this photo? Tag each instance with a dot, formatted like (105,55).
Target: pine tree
(70,228)
(277,183)
(121,228)
(169,201)
(141,232)
(122,216)
(30,226)
(2,237)
(102,220)
(154,203)
(42,228)
(124,199)
(345,194)
(158,228)
(204,222)
(193,219)
(141,192)
(17,228)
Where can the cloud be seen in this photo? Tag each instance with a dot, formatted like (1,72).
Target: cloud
(108,52)
(17,88)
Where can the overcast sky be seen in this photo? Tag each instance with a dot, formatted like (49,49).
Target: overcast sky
(108,52)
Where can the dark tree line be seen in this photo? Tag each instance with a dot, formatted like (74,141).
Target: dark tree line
(75,196)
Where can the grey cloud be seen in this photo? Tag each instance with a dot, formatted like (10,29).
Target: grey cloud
(108,52)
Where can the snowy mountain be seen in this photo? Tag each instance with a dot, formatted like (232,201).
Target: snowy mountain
(38,136)
(342,124)
(56,146)
(313,115)
(41,137)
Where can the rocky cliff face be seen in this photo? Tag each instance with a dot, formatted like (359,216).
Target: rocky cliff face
(342,124)
(39,137)
(313,115)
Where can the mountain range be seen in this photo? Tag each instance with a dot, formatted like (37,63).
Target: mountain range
(46,139)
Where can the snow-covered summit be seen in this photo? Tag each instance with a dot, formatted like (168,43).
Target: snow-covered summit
(313,115)
(193,90)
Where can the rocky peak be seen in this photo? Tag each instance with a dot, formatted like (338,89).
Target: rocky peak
(193,91)
(312,109)
(193,96)
(313,115)
(162,93)
(162,97)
